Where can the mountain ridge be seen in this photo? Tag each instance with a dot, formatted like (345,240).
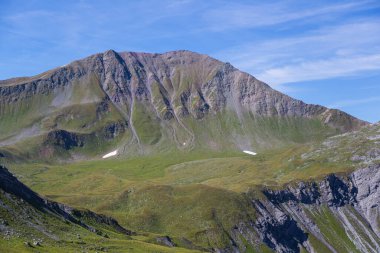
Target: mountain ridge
(139,56)
(170,93)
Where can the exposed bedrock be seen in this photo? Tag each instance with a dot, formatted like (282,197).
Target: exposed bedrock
(293,218)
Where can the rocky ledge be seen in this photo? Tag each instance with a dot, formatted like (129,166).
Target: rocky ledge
(291,219)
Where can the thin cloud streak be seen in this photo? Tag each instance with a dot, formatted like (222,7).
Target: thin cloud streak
(331,51)
(278,41)
(354,102)
(235,16)
(323,69)
(84,22)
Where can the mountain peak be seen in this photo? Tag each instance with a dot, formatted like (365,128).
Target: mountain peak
(180,97)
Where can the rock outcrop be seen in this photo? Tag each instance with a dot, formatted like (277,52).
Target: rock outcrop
(293,218)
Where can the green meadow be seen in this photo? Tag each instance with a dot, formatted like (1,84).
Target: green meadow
(192,195)
(196,196)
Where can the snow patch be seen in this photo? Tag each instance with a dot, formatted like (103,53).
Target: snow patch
(249,152)
(113,153)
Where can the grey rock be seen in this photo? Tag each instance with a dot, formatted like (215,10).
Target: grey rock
(165,240)
(367,181)
(284,226)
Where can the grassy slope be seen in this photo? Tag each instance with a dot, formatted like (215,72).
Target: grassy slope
(81,108)
(332,230)
(149,193)
(189,194)
(131,189)
(27,224)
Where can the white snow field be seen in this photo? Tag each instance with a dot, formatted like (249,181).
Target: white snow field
(113,153)
(249,152)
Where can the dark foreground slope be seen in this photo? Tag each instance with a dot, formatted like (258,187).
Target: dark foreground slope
(144,103)
(30,223)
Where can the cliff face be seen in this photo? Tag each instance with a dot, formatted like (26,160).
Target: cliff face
(311,215)
(339,213)
(171,93)
(335,214)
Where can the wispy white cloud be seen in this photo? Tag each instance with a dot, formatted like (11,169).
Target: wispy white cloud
(354,102)
(277,41)
(328,52)
(321,69)
(81,23)
(233,16)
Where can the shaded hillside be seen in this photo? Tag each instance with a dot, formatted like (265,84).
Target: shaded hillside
(30,223)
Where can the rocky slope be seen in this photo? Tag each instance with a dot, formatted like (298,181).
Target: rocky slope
(335,215)
(26,215)
(144,102)
(31,223)
(339,213)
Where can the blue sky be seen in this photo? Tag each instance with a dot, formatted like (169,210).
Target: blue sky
(323,52)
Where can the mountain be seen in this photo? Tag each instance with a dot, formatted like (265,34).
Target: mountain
(145,103)
(178,122)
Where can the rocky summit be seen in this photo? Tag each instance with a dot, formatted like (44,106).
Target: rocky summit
(186,151)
